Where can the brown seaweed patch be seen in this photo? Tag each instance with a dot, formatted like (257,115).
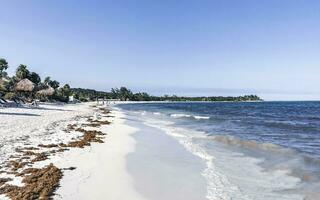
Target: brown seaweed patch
(96,123)
(25,158)
(47,145)
(101,122)
(20,163)
(29,153)
(62,149)
(105,111)
(30,148)
(27,171)
(39,184)
(88,137)
(19,150)
(14,156)
(91,125)
(69,168)
(40,157)
(16,164)
(70,127)
(58,150)
(4,180)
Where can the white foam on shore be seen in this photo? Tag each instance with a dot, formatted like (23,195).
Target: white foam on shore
(215,182)
(179,115)
(201,117)
(233,175)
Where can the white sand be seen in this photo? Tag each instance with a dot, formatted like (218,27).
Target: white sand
(100,169)
(19,121)
(23,125)
(101,172)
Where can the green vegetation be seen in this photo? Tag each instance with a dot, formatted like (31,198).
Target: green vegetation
(3,67)
(125,94)
(50,90)
(22,72)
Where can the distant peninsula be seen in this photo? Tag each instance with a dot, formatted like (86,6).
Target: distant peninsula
(125,94)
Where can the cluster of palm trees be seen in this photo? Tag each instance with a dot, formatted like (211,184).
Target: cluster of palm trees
(27,86)
(125,94)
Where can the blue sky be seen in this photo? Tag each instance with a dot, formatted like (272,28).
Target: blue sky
(214,47)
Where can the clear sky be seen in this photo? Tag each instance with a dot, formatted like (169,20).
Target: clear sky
(214,47)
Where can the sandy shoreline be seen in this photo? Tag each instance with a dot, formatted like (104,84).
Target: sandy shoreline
(69,137)
(101,171)
(84,151)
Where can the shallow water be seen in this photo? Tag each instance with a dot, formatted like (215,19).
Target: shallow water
(266,150)
(162,169)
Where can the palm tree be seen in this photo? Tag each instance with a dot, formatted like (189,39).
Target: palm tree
(54,84)
(3,65)
(123,93)
(22,72)
(35,78)
(47,80)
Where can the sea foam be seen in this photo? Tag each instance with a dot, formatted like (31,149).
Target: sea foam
(179,115)
(223,165)
(201,117)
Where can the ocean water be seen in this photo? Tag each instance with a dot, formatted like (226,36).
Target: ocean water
(252,150)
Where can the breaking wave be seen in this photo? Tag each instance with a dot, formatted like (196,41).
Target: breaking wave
(201,117)
(180,115)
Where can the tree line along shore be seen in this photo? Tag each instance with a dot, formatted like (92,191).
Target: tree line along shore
(28,86)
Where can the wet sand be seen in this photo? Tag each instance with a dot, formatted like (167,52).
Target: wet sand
(162,168)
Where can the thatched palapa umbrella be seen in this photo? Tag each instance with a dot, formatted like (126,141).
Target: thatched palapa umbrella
(49,91)
(25,88)
(25,85)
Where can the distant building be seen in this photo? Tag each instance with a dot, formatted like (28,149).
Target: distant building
(71,98)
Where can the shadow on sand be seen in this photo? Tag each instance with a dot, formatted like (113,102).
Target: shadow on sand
(42,108)
(20,114)
(34,108)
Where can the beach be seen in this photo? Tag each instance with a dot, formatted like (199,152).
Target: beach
(90,169)
(159,100)
(138,152)
(108,169)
